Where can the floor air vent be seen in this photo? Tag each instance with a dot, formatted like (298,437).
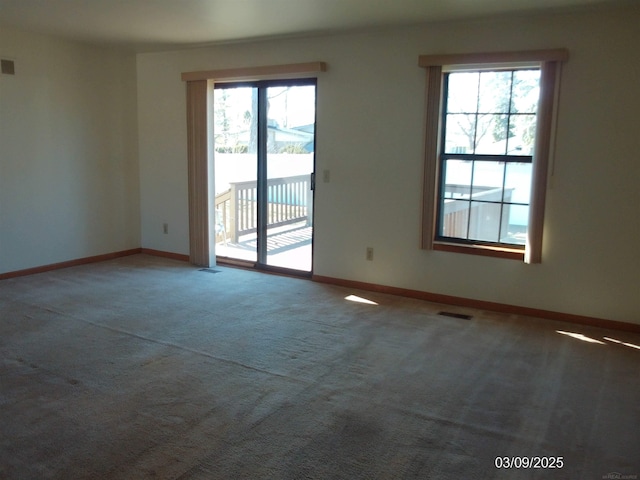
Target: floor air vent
(456,315)
(209,270)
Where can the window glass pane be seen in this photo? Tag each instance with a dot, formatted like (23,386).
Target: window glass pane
(463,92)
(495,92)
(491,134)
(526,91)
(522,134)
(460,133)
(487,181)
(457,178)
(484,221)
(236,168)
(290,146)
(517,183)
(515,220)
(489,114)
(455,218)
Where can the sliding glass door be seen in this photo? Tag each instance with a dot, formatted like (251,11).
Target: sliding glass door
(264,162)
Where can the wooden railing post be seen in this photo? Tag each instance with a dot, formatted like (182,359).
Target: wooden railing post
(233,213)
(309,202)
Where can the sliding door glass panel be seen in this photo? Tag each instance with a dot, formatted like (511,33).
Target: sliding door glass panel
(290,164)
(235,172)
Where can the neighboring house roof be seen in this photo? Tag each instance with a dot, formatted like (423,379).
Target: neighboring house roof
(302,135)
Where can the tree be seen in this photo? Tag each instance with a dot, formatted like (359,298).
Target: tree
(221,125)
(252,118)
(505,106)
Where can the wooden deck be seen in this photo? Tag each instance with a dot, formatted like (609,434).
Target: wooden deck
(287,246)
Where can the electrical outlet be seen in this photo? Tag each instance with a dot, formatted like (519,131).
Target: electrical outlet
(165,228)
(369,253)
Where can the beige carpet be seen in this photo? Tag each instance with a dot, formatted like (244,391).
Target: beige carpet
(150,368)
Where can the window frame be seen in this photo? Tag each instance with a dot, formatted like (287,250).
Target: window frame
(549,62)
(476,158)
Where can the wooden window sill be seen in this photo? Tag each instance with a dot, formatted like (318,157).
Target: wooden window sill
(483,250)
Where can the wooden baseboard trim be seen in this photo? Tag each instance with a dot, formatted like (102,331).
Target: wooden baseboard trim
(231,262)
(69,263)
(482,305)
(160,253)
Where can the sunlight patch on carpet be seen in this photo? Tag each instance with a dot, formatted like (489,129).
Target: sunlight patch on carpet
(631,345)
(580,336)
(357,299)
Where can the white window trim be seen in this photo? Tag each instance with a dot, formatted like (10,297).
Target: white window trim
(549,62)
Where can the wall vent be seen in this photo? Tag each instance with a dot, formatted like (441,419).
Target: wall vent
(461,316)
(7,67)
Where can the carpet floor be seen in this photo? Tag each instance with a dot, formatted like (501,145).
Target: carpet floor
(142,367)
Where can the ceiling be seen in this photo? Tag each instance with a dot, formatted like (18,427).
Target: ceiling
(160,24)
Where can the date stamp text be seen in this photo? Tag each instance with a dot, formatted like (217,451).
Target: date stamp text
(529,462)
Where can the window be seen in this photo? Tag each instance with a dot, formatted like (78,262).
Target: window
(486,151)
(488,136)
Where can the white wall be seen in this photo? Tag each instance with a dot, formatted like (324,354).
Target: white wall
(369,135)
(69,183)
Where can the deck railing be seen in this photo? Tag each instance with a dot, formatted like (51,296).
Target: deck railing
(289,200)
(457,214)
